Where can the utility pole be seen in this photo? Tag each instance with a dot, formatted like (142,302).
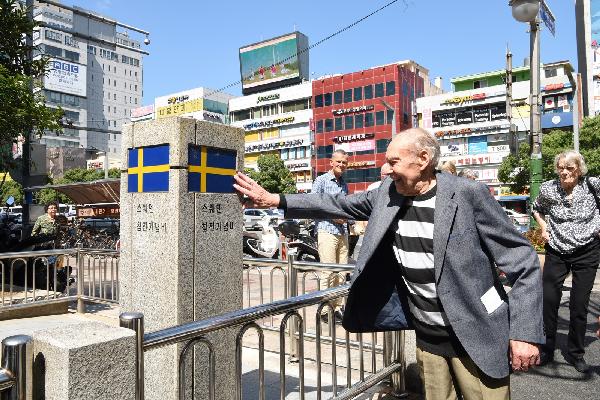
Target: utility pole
(512,132)
(26,156)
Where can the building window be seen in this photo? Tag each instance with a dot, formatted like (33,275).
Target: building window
(405,118)
(328,125)
(135,88)
(320,126)
(339,124)
(114,96)
(71,41)
(390,88)
(327,98)
(358,121)
(337,97)
(91,49)
(358,93)
(390,117)
(135,100)
(551,72)
(382,145)
(349,121)
(368,92)
(480,84)
(285,154)
(55,36)
(52,51)
(347,95)
(318,101)
(368,120)
(115,83)
(379,90)
(380,118)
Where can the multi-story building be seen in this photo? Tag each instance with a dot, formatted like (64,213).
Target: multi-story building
(96,75)
(355,112)
(277,122)
(473,126)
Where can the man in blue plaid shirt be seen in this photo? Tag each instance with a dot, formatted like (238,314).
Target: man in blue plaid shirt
(333,234)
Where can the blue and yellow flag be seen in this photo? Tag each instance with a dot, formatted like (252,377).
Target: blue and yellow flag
(211,170)
(148,169)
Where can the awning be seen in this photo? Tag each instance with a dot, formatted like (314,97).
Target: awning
(101,191)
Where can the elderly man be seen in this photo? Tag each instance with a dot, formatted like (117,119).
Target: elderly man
(429,262)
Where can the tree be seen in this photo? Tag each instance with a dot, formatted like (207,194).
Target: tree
(75,175)
(514,171)
(273,175)
(22,110)
(11,188)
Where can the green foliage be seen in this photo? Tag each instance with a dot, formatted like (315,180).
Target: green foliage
(11,188)
(515,170)
(75,175)
(273,175)
(21,111)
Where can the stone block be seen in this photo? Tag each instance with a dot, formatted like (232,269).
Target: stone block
(89,361)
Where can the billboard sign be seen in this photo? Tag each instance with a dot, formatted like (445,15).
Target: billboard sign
(187,103)
(66,77)
(274,62)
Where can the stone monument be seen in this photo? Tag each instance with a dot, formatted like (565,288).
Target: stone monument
(181,251)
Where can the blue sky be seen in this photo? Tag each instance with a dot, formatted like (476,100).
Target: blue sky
(195,43)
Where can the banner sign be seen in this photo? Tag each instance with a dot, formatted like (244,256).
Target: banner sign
(66,77)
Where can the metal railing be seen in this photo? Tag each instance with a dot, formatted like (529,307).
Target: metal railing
(15,368)
(30,278)
(293,326)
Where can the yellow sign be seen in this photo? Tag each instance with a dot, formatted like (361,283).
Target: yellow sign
(185,107)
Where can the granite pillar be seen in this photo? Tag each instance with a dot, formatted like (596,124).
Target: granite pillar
(93,361)
(181,249)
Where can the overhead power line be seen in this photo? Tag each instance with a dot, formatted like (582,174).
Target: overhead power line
(312,46)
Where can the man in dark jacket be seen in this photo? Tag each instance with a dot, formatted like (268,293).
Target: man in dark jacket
(429,261)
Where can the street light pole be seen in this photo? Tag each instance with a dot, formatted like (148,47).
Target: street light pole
(106,165)
(528,11)
(535,114)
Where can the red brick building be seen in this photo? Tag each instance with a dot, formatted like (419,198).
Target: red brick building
(349,113)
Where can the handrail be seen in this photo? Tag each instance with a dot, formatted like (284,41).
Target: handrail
(308,265)
(194,329)
(34,253)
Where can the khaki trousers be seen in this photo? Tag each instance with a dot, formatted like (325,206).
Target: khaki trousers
(442,376)
(333,249)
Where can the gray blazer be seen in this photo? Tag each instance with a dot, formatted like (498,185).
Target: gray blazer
(472,235)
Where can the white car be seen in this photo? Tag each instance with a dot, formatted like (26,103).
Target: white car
(522,219)
(253,216)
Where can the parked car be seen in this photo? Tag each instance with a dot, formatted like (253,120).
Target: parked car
(253,216)
(521,219)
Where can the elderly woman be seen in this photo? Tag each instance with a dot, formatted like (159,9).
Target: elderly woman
(567,212)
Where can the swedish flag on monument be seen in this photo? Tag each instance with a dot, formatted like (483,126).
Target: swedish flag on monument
(148,169)
(210,169)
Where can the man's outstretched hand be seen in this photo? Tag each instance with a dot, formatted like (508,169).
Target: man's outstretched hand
(256,195)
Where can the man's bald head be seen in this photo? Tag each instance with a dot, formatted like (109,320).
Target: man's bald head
(418,139)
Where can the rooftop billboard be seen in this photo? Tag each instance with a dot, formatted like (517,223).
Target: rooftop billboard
(274,63)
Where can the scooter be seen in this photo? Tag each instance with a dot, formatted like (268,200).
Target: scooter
(301,239)
(263,242)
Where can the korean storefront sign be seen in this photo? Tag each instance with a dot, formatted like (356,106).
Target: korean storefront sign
(268,124)
(351,147)
(353,110)
(463,99)
(352,138)
(273,145)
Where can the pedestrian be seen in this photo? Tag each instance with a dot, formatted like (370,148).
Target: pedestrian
(428,263)
(47,223)
(567,212)
(468,173)
(448,166)
(332,234)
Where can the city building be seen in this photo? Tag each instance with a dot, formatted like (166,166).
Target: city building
(355,112)
(473,126)
(96,75)
(277,122)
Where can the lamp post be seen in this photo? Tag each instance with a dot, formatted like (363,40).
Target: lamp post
(527,11)
(390,108)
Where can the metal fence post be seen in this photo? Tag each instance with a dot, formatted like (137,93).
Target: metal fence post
(293,292)
(80,275)
(135,321)
(399,378)
(18,364)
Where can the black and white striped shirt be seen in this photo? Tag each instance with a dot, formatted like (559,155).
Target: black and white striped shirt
(413,246)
